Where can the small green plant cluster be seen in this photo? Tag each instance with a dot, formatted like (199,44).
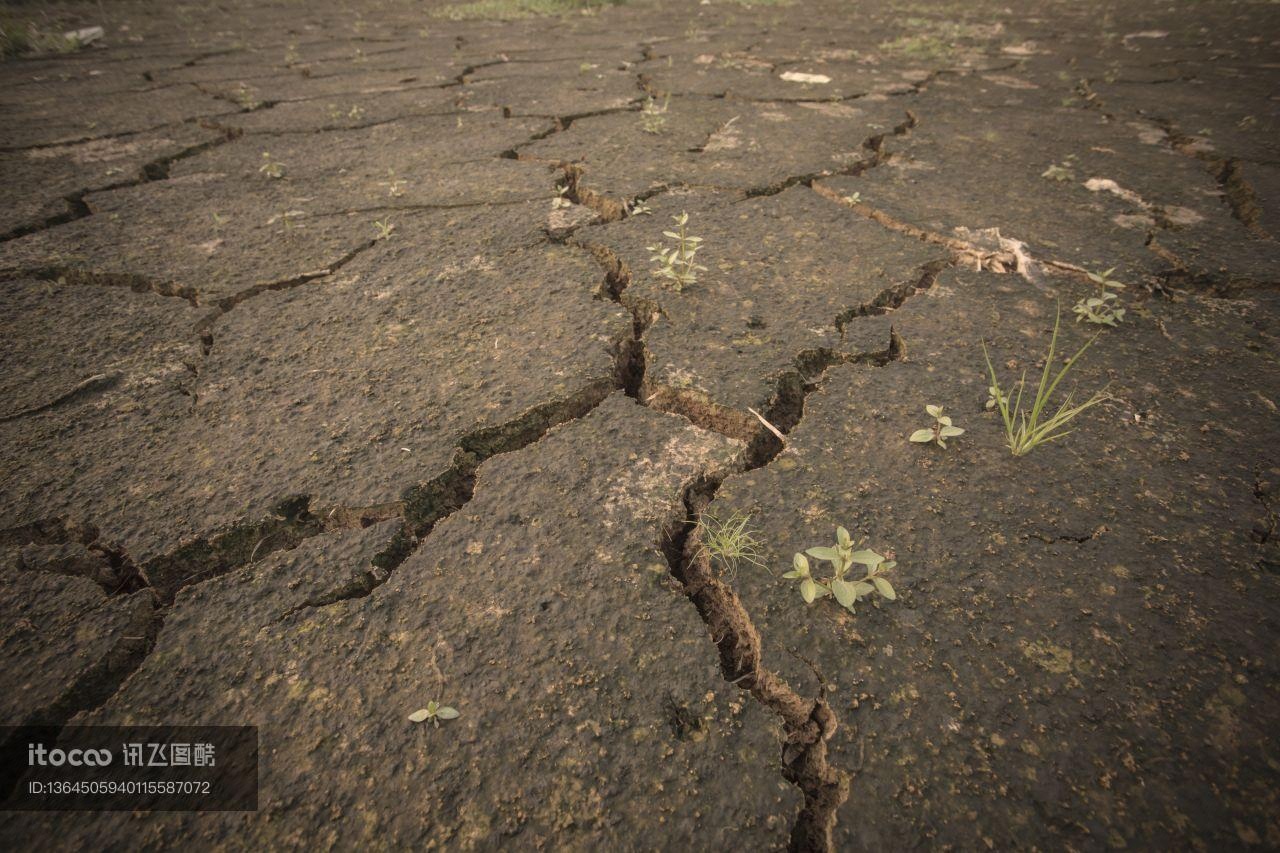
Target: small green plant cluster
(941,430)
(1103,309)
(653,117)
(677,264)
(385,229)
(842,557)
(435,712)
(1027,427)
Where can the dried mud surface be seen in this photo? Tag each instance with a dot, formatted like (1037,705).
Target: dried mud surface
(337,379)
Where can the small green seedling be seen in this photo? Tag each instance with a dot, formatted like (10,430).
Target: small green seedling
(941,430)
(677,265)
(637,208)
(385,228)
(1104,280)
(995,398)
(1027,429)
(435,712)
(1102,310)
(730,541)
(653,118)
(853,198)
(562,198)
(270,167)
(842,557)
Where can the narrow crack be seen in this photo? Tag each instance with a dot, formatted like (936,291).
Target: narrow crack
(95,384)
(226,304)
(90,691)
(807,723)
(1078,538)
(1240,196)
(422,507)
(153,170)
(87,277)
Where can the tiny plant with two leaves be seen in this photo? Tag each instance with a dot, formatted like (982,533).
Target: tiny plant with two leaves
(435,712)
(941,430)
(562,197)
(1027,427)
(842,557)
(677,264)
(1103,309)
(730,541)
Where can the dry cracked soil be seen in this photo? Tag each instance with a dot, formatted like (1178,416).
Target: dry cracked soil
(338,378)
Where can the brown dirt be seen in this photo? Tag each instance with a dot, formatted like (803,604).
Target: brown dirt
(337,379)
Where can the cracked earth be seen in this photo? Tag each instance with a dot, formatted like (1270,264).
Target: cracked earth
(337,379)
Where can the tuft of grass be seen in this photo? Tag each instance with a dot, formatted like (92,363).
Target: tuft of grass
(19,37)
(507,10)
(730,541)
(920,47)
(1027,429)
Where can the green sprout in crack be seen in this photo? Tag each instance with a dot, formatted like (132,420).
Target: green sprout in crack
(435,712)
(941,430)
(385,229)
(677,265)
(842,557)
(270,167)
(653,118)
(1103,309)
(562,197)
(639,207)
(1027,428)
(730,541)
